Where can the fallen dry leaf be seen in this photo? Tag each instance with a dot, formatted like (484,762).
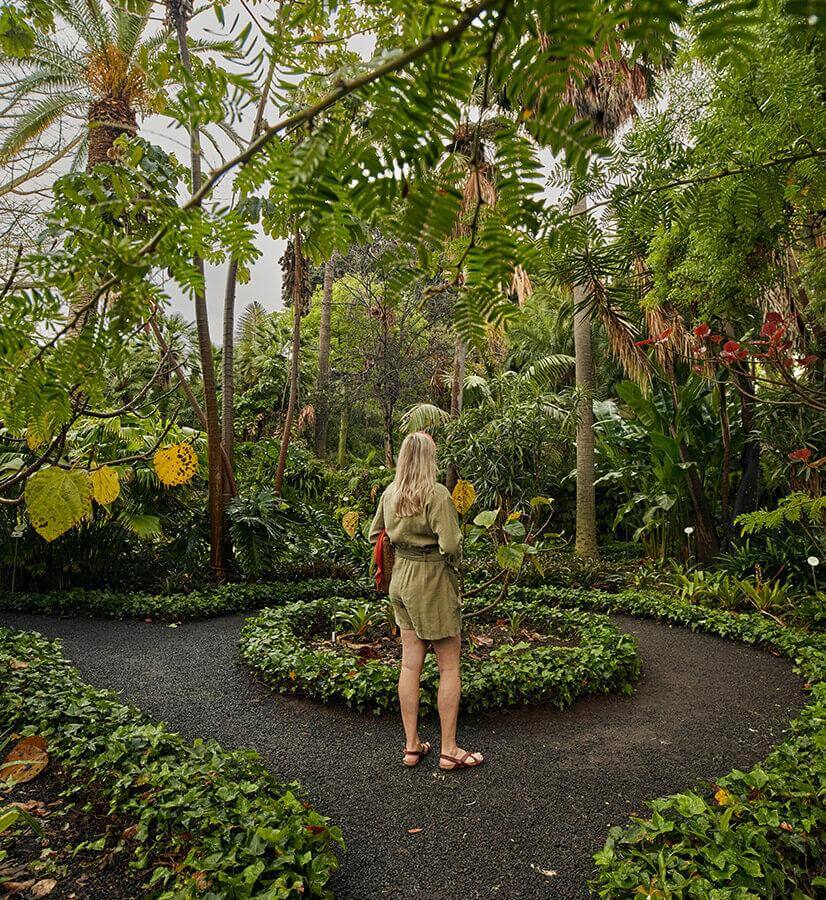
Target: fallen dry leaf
(481,640)
(201,881)
(43,887)
(414,830)
(18,664)
(26,760)
(17,887)
(35,807)
(129,833)
(548,873)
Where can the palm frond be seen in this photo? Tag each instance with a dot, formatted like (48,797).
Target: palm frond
(37,119)
(421,417)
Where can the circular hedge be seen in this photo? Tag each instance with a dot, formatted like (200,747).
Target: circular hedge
(285,646)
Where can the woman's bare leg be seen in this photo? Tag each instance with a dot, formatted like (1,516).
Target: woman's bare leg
(448,651)
(413,653)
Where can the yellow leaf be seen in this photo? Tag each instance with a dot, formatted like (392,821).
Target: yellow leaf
(516,514)
(57,499)
(723,797)
(463,496)
(176,464)
(349,522)
(105,484)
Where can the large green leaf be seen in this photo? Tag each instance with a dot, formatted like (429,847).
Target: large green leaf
(57,499)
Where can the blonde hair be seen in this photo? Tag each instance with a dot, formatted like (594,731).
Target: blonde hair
(415,474)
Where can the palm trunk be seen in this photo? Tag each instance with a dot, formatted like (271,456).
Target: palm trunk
(586,506)
(286,434)
(109,118)
(214,462)
(322,412)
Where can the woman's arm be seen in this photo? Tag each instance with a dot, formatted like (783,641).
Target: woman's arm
(378,522)
(444,523)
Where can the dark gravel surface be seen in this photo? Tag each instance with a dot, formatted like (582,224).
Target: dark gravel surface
(526,823)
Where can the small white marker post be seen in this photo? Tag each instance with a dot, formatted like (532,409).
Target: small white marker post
(814,562)
(689,530)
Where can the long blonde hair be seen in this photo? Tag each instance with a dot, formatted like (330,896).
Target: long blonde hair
(415,474)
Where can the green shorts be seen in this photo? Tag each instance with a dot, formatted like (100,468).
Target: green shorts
(425,595)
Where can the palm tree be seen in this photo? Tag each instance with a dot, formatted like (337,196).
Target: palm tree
(607,98)
(95,73)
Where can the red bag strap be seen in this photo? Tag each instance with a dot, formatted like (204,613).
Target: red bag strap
(378,557)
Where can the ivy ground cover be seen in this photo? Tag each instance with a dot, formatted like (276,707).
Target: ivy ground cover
(207,822)
(284,646)
(748,835)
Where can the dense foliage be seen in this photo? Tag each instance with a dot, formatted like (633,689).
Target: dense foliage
(277,644)
(206,819)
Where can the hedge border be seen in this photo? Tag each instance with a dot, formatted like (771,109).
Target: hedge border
(766,834)
(606,660)
(203,604)
(221,813)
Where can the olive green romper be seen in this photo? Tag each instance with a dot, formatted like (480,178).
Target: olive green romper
(425,584)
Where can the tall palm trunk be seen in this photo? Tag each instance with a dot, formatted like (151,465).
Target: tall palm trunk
(214,463)
(322,412)
(586,507)
(109,118)
(298,282)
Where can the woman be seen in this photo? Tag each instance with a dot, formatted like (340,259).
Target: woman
(423,527)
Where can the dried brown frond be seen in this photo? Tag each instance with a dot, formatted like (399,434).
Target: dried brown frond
(521,287)
(622,337)
(110,73)
(306,418)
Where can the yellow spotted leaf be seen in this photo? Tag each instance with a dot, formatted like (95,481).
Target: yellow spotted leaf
(57,499)
(463,496)
(723,797)
(516,514)
(349,522)
(176,464)
(105,485)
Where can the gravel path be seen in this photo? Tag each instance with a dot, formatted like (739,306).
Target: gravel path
(524,825)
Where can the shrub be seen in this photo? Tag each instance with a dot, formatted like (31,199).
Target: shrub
(276,645)
(214,601)
(752,834)
(206,818)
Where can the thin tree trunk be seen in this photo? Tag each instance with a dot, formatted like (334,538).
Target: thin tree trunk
(214,456)
(286,434)
(322,412)
(725,475)
(457,394)
(586,507)
(389,450)
(228,359)
(343,429)
(228,364)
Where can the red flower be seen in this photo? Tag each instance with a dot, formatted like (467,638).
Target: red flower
(804,454)
(732,350)
(716,338)
(702,331)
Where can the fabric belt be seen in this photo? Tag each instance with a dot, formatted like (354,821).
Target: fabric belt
(419,554)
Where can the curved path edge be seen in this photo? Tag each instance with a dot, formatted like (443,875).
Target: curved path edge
(525,824)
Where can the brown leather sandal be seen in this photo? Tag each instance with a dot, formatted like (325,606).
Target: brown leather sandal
(460,763)
(420,754)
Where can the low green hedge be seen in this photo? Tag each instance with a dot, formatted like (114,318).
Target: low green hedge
(204,815)
(757,834)
(274,644)
(202,604)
